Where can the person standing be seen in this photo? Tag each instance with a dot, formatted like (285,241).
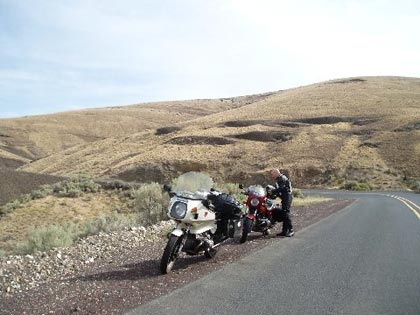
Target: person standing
(283,189)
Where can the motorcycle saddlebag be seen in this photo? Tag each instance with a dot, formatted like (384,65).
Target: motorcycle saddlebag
(227,207)
(234,227)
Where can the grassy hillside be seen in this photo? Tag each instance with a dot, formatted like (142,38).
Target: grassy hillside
(367,129)
(34,137)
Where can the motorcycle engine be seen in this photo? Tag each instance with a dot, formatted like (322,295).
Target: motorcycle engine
(194,244)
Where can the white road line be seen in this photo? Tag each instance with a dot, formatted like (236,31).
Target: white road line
(408,203)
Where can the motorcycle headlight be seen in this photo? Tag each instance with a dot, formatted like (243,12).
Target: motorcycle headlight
(178,210)
(255,202)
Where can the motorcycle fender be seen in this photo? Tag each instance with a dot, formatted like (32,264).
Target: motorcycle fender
(250,216)
(177,232)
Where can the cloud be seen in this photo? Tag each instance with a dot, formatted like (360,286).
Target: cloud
(93,53)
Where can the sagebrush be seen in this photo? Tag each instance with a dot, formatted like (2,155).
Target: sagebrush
(151,203)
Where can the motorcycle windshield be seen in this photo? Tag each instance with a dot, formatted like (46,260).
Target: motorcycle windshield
(198,195)
(256,190)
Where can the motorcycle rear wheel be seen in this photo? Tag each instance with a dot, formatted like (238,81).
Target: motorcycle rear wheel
(246,229)
(170,254)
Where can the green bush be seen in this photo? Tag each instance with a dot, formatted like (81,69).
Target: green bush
(116,184)
(415,186)
(75,186)
(56,236)
(46,238)
(10,207)
(41,192)
(107,223)
(151,203)
(355,186)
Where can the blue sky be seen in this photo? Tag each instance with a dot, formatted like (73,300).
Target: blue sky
(65,55)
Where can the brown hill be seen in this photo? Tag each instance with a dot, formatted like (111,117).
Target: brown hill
(363,128)
(34,137)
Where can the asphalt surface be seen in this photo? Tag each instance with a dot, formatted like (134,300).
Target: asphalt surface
(364,259)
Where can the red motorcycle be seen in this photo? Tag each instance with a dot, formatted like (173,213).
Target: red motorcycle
(262,213)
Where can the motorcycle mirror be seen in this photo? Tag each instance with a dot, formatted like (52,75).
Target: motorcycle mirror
(167,188)
(241,186)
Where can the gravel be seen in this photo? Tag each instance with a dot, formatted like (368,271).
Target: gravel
(114,272)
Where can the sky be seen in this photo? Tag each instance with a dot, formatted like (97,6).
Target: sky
(59,55)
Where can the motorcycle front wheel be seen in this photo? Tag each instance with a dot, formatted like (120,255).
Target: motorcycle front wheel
(246,229)
(170,254)
(210,253)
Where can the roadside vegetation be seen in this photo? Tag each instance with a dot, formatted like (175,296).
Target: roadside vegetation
(77,207)
(414,185)
(355,186)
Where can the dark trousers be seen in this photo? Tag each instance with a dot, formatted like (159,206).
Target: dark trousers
(286,203)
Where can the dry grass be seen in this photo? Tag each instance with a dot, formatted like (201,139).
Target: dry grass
(38,136)
(309,200)
(53,210)
(356,129)
(56,221)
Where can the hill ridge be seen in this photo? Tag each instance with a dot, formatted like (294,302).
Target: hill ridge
(308,130)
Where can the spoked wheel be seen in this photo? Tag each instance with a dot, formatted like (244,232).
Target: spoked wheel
(246,229)
(170,254)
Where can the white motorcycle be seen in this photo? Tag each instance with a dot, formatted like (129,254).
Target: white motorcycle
(203,221)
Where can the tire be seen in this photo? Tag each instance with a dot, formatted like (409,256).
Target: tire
(246,229)
(210,253)
(170,254)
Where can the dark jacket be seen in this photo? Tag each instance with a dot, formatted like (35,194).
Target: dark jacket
(283,186)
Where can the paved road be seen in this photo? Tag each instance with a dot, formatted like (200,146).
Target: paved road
(364,259)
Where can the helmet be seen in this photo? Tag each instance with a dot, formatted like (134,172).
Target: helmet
(269,189)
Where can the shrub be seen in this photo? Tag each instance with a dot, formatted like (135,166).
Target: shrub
(46,238)
(356,186)
(2,253)
(10,207)
(151,203)
(75,186)
(55,236)
(107,223)
(415,186)
(41,192)
(116,184)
